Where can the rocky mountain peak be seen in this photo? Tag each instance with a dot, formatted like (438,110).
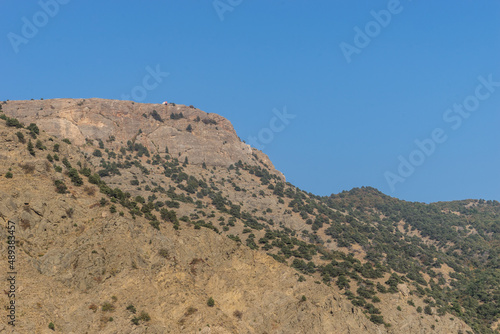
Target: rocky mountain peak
(186,131)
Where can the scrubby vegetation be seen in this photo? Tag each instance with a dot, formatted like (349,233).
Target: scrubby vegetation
(361,242)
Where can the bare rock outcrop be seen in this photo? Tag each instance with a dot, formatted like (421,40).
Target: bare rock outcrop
(210,138)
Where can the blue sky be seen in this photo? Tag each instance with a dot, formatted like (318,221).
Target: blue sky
(357,113)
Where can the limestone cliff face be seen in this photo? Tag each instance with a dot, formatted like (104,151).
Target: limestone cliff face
(211,140)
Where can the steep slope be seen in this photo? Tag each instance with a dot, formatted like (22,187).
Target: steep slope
(211,140)
(136,226)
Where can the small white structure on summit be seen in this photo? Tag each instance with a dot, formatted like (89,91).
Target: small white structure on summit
(165,103)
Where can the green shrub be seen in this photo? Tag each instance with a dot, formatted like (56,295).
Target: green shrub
(20,136)
(75,177)
(156,116)
(209,121)
(155,224)
(377,319)
(107,307)
(60,187)
(39,145)
(66,163)
(33,130)
(131,308)
(85,172)
(51,326)
(13,122)
(8,175)
(172,204)
(144,316)
(360,301)
(210,302)
(94,179)
(176,116)
(30,148)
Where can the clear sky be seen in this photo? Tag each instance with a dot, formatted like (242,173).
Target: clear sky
(337,93)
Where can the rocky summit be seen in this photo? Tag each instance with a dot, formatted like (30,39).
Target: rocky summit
(123,217)
(210,139)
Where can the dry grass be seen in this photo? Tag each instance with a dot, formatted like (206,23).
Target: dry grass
(25,224)
(163,253)
(193,264)
(28,167)
(89,190)
(190,311)
(69,212)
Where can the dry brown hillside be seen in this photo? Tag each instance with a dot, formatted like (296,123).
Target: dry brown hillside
(126,221)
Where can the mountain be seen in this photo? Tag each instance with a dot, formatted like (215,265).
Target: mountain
(135,218)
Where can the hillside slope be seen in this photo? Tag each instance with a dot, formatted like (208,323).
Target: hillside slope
(112,217)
